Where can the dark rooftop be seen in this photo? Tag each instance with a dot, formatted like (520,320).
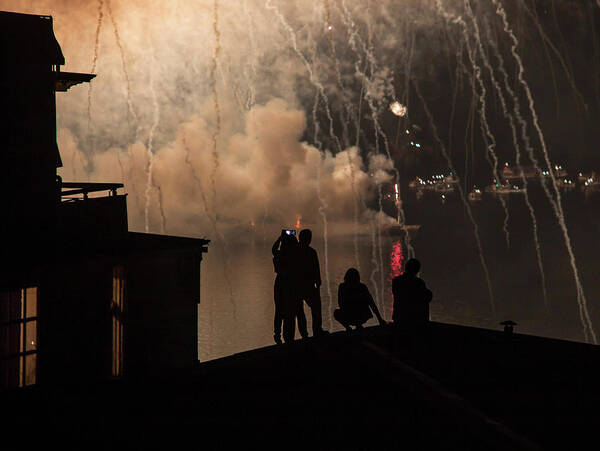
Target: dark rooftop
(461,388)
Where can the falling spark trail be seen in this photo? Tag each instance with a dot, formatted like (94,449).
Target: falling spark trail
(355,40)
(215,154)
(121,167)
(320,93)
(252,94)
(588,328)
(90,84)
(311,73)
(350,112)
(489,138)
(513,129)
(462,196)
(163,224)
(488,132)
(322,212)
(215,96)
(150,182)
(380,248)
(130,108)
(356,197)
(546,39)
(195,176)
(214,223)
(374,261)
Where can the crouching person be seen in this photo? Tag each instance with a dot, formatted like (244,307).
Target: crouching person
(356,303)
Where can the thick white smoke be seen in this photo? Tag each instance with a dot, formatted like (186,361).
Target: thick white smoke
(264,167)
(152,57)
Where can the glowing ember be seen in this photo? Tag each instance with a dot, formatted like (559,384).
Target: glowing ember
(398,109)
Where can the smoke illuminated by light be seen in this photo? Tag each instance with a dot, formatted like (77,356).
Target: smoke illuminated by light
(209,112)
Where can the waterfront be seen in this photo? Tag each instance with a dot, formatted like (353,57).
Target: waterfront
(236,312)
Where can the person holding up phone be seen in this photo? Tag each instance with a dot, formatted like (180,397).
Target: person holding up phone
(288,305)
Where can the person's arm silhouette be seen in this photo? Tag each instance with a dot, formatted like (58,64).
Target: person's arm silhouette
(374,308)
(275,247)
(318,270)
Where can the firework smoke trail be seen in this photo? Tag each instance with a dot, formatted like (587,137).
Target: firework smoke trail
(188,161)
(215,154)
(92,70)
(322,211)
(380,247)
(215,96)
(351,26)
(213,221)
(462,195)
(311,73)
(515,140)
(150,152)
(354,39)
(356,198)
(252,94)
(588,328)
(487,133)
(320,94)
(374,261)
(121,167)
(546,39)
(350,113)
(130,108)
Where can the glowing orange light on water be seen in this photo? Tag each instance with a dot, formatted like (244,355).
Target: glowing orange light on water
(298,225)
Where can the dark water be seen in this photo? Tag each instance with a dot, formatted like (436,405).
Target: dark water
(236,311)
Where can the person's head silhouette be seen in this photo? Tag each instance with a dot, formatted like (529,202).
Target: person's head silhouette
(413,266)
(352,276)
(305,237)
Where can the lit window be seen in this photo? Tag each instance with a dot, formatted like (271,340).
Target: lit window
(19,337)
(117,309)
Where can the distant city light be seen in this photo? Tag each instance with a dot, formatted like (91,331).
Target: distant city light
(398,109)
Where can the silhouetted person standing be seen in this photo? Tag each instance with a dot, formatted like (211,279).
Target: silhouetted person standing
(355,301)
(411,297)
(310,280)
(288,305)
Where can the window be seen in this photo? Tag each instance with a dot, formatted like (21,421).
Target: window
(19,336)
(117,309)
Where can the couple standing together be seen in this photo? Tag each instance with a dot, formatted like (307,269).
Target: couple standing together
(298,279)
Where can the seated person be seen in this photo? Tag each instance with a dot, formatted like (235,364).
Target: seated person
(411,296)
(355,301)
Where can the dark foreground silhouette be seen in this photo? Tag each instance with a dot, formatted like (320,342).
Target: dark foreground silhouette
(310,280)
(411,297)
(356,303)
(288,305)
(298,279)
(472,391)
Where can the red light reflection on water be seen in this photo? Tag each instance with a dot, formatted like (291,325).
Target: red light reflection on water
(396,265)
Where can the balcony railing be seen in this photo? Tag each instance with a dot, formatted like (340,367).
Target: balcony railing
(69,189)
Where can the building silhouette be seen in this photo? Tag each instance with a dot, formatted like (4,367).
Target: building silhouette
(81,297)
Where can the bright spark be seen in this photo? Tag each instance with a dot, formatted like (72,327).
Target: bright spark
(398,109)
